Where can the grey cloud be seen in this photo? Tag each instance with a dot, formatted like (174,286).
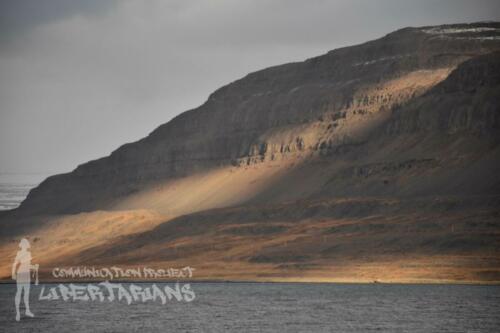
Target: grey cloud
(19,16)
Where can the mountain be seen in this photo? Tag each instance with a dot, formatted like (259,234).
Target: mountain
(378,161)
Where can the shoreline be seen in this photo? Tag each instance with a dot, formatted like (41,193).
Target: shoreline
(284,281)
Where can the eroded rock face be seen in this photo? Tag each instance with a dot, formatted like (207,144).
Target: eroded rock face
(345,98)
(468,100)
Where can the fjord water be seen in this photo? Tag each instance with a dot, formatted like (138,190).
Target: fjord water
(14,187)
(272,307)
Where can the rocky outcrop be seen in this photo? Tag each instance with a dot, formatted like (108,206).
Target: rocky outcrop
(468,100)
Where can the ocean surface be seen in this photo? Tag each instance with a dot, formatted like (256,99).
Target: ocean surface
(14,187)
(271,307)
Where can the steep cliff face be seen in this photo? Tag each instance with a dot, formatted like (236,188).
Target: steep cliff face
(467,101)
(318,106)
(442,143)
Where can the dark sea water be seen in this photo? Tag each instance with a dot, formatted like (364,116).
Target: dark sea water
(272,307)
(14,187)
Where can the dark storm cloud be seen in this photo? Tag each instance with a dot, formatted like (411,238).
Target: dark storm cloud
(79,78)
(20,16)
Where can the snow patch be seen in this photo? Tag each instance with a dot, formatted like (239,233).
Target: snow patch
(439,31)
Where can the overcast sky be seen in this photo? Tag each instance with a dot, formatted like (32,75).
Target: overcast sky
(80,78)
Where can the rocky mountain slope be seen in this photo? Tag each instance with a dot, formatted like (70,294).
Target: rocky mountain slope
(376,161)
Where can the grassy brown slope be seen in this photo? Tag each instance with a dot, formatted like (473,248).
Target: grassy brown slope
(425,240)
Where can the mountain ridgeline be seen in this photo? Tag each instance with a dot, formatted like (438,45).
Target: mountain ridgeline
(322,106)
